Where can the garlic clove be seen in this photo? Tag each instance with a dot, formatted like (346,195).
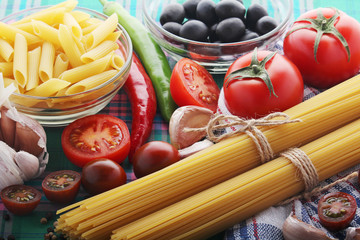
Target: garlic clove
(7,127)
(188,117)
(10,173)
(27,139)
(295,229)
(196,147)
(352,233)
(28,164)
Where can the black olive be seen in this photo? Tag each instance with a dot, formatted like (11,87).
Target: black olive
(230,8)
(212,33)
(174,12)
(205,12)
(190,8)
(249,35)
(172,27)
(265,25)
(194,30)
(254,12)
(230,30)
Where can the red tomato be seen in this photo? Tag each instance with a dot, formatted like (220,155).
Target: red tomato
(192,84)
(336,210)
(251,97)
(61,186)
(96,136)
(331,65)
(101,175)
(20,199)
(154,156)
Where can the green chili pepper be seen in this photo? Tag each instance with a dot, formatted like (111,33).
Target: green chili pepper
(150,53)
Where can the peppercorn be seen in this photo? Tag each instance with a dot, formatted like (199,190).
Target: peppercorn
(43,220)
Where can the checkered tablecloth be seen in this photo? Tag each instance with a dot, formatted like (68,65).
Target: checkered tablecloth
(258,227)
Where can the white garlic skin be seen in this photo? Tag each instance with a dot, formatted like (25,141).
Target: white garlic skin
(295,229)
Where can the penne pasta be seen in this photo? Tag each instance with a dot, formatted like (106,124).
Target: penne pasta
(47,59)
(84,71)
(33,68)
(73,25)
(69,45)
(101,32)
(117,62)
(20,60)
(6,50)
(61,64)
(46,32)
(9,32)
(48,88)
(48,16)
(79,16)
(6,68)
(27,27)
(114,36)
(91,82)
(99,51)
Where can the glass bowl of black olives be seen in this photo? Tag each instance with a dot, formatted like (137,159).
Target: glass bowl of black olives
(215,33)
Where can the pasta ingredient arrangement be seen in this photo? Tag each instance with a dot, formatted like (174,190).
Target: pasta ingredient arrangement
(60,51)
(99,215)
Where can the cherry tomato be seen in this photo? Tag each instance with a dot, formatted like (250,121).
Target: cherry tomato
(96,136)
(331,64)
(336,210)
(20,199)
(154,156)
(61,186)
(248,95)
(192,84)
(101,175)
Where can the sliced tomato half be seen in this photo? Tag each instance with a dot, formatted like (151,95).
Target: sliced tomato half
(336,210)
(20,199)
(61,186)
(94,137)
(192,84)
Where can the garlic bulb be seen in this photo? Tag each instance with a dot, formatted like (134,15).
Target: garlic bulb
(295,229)
(25,137)
(352,233)
(188,117)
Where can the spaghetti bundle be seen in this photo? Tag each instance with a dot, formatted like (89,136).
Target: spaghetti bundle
(227,203)
(96,217)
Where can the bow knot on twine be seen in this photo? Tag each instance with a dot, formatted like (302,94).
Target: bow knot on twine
(248,126)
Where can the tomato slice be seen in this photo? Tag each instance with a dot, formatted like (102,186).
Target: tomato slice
(61,186)
(20,199)
(192,84)
(336,210)
(101,175)
(96,136)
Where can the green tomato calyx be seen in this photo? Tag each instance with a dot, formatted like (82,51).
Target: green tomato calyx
(322,25)
(256,69)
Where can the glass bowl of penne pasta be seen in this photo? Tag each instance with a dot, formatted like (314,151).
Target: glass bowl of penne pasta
(65,61)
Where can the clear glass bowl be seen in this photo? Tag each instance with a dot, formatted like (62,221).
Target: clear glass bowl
(216,57)
(60,111)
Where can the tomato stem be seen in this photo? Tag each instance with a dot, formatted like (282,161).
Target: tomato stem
(255,70)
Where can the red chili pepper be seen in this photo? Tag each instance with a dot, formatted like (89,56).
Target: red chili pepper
(142,96)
